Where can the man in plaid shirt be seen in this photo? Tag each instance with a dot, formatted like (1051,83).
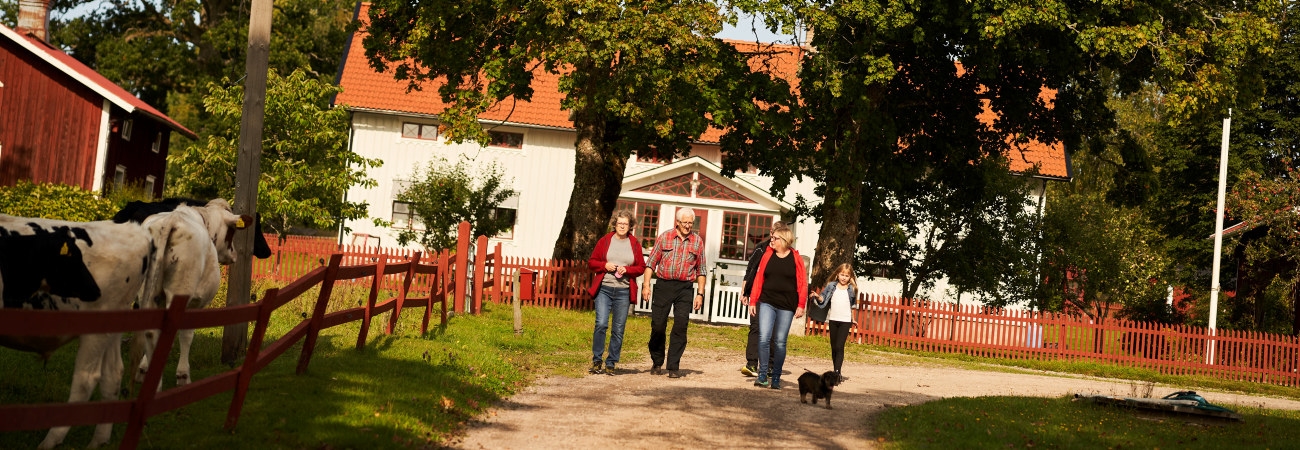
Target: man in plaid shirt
(677,259)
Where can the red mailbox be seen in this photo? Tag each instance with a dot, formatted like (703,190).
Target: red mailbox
(527,284)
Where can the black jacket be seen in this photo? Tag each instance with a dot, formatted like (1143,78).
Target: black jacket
(751,269)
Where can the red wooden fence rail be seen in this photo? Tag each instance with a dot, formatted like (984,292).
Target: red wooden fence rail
(151,403)
(952,328)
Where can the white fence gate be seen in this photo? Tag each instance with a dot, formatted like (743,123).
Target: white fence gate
(722,297)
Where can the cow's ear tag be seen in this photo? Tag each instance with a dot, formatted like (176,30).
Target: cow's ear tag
(239,223)
(64,251)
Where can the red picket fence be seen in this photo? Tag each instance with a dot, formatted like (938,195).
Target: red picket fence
(559,284)
(1017,334)
(408,277)
(999,333)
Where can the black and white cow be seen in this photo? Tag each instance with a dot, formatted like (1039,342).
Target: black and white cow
(74,266)
(201,239)
(138,211)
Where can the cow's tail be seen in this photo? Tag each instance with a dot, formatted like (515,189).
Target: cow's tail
(150,296)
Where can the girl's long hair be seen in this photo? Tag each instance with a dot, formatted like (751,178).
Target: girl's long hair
(853,277)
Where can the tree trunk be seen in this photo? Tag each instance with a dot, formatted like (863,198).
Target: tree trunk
(841,208)
(597,182)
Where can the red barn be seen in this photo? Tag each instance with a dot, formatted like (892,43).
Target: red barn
(62,122)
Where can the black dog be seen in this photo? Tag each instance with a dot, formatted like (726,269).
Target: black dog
(820,386)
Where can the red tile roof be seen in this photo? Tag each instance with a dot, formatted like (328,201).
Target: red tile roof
(365,89)
(91,79)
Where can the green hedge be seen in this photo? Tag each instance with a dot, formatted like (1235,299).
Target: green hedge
(55,201)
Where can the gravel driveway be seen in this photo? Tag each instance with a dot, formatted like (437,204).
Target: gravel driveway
(714,406)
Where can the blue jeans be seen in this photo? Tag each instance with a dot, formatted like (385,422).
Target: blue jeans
(773,330)
(607,299)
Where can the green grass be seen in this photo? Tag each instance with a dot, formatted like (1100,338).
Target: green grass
(413,391)
(1061,423)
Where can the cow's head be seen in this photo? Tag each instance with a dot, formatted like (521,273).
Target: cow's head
(222,224)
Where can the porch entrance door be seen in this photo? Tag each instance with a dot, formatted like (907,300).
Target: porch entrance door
(701,228)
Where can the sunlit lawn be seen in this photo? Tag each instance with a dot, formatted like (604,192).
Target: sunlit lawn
(412,391)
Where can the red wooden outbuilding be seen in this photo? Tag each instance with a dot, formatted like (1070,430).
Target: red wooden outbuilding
(62,122)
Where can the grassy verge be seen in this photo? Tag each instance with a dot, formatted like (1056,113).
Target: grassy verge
(1022,422)
(411,391)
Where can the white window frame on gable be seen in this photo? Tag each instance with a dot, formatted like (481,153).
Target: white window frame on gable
(412,130)
(127,126)
(157,143)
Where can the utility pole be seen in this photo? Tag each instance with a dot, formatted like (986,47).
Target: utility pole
(248,170)
(1218,241)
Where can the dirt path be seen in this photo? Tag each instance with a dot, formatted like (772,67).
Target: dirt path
(714,406)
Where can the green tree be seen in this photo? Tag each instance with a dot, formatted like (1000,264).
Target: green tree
(635,76)
(442,195)
(306,165)
(1098,254)
(166,52)
(882,104)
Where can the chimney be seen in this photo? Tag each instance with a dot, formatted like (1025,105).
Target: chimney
(34,18)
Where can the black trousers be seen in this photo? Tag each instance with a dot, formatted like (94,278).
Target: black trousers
(839,332)
(675,296)
(751,344)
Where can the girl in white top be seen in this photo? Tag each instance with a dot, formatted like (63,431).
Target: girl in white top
(843,293)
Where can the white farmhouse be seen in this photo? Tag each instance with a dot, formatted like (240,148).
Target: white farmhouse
(534,143)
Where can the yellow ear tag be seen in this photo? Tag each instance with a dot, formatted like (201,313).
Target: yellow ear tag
(239,223)
(64,251)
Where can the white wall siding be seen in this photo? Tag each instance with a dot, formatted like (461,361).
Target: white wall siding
(541,172)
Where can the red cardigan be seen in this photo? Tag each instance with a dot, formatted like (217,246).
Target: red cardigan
(597,264)
(800,274)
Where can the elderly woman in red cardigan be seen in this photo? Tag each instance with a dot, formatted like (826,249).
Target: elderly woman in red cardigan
(617,261)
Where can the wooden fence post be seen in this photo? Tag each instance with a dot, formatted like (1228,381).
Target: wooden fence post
(444,278)
(401,296)
(480,264)
(249,368)
(498,275)
(461,272)
(157,362)
(370,302)
(318,313)
(519,314)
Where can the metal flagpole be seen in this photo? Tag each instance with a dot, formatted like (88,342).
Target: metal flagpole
(1218,241)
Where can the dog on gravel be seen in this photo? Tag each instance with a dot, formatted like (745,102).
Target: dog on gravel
(820,386)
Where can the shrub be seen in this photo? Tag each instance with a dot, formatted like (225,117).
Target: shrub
(54,201)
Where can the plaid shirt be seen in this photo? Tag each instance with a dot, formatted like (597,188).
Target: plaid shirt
(677,258)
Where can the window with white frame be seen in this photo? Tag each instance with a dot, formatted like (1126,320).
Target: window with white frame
(419,131)
(119,176)
(741,233)
(506,139)
(403,215)
(157,143)
(127,125)
(148,187)
(508,209)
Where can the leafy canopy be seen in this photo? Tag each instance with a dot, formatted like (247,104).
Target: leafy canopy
(306,165)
